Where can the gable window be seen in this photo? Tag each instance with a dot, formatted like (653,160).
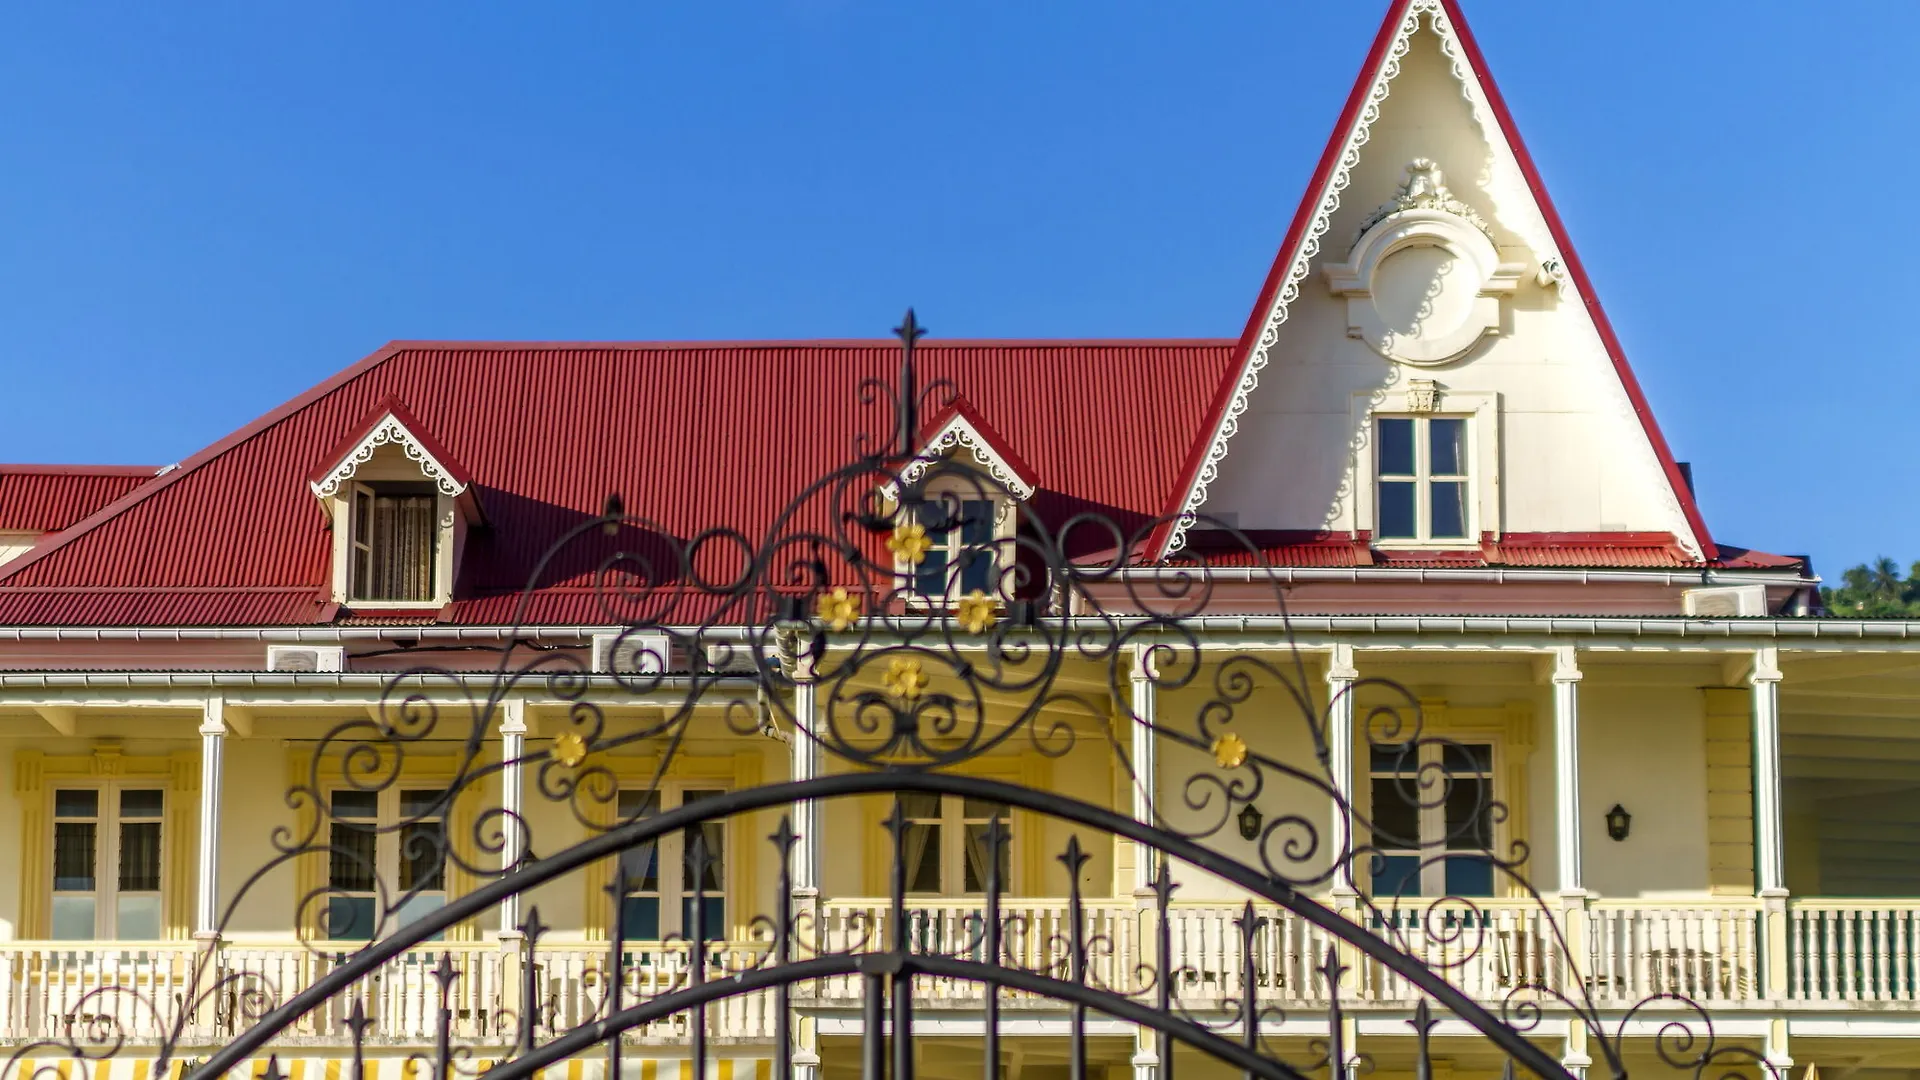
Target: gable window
(393,836)
(1423,479)
(1431,804)
(393,543)
(661,875)
(961,558)
(945,844)
(106,863)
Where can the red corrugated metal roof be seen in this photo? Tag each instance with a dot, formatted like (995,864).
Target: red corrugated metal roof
(1623,550)
(48,498)
(692,436)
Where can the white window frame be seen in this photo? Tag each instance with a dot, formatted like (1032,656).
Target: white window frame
(1359,512)
(1423,478)
(671,856)
(386,848)
(1433,819)
(953,824)
(106,850)
(1004,522)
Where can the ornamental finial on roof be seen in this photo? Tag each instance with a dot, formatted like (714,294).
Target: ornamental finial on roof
(1425,189)
(907,398)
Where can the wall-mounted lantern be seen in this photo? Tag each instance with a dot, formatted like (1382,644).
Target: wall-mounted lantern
(1618,822)
(1250,820)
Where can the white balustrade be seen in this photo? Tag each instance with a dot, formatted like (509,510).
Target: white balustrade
(1706,953)
(1495,950)
(95,993)
(1860,950)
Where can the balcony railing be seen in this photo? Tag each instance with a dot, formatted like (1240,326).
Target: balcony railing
(1629,951)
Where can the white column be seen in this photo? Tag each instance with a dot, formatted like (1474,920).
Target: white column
(1769,859)
(213,741)
(806,766)
(1341,675)
(1566,769)
(513,747)
(1146,776)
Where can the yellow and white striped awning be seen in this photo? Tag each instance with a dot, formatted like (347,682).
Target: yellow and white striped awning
(633,1066)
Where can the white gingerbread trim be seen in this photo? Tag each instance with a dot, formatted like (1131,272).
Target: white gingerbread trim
(1303,256)
(958,433)
(388,431)
(1535,235)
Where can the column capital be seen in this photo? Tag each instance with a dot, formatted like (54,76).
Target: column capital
(213,716)
(1144,669)
(1566,665)
(1766,666)
(1340,666)
(513,716)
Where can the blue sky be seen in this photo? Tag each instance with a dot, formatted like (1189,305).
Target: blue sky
(206,208)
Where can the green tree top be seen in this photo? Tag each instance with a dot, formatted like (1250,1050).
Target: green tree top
(1876,591)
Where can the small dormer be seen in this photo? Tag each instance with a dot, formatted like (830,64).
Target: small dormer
(400,507)
(967,517)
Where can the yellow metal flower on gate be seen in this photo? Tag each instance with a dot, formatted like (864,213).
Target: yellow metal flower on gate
(975,613)
(910,543)
(904,679)
(838,609)
(569,749)
(1230,751)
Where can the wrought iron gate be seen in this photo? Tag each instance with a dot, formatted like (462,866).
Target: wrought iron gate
(893,685)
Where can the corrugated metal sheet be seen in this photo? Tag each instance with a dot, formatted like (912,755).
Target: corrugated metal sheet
(49,498)
(1631,550)
(693,437)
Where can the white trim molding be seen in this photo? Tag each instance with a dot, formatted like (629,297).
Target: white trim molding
(959,433)
(389,431)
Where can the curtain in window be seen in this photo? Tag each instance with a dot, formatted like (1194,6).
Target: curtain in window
(403,541)
(140,856)
(923,872)
(977,859)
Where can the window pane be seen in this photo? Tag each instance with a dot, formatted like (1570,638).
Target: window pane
(1397,516)
(356,804)
(137,918)
(414,908)
(976,536)
(930,577)
(73,856)
(350,918)
(423,854)
(73,918)
(140,856)
(1467,876)
(712,835)
(1449,509)
(1446,447)
(1469,825)
(76,803)
(140,803)
(975,867)
(1396,816)
(1395,757)
(1467,757)
(922,858)
(713,913)
(635,803)
(983,809)
(1396,447)
(415,804)
(403,540)
(641,914)
(1396,875)
(976,570)
(919,806)
(350,863)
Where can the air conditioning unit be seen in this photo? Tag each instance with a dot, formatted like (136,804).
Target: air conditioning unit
(1725,601)
(632,654)
(306,658)
(731,657)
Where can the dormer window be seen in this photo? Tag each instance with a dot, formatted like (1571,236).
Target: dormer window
(968,511)
(395,537)
(1424,476)
(400,507)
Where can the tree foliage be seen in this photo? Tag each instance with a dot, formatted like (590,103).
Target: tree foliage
(1876,591)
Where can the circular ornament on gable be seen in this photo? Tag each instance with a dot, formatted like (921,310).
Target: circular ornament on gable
(1424,280)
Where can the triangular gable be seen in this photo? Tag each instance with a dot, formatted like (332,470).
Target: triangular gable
(1319,203)
(961,427)
(390,424)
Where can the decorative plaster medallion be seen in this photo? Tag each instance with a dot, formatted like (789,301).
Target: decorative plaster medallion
(1421,396)
(1423,281)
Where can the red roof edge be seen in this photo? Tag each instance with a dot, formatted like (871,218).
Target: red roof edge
(1309,201)
(963,409)
(192,463)
(80,470)
(394,407)
(1478,64)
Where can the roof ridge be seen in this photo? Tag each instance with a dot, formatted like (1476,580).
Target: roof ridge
(788,344)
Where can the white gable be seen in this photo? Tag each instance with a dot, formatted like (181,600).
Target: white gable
(1427,279)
